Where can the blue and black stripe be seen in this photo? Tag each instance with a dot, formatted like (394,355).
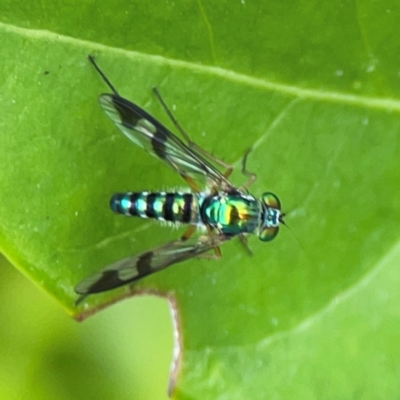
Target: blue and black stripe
(174,207)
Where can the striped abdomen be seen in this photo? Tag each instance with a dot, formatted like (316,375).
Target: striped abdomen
(174,207)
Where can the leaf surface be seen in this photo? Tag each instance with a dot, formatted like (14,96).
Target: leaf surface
(313,88)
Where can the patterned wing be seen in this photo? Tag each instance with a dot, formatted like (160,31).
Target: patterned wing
(156,139)
(133,268)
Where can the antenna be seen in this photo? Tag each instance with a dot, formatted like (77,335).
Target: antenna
(290,229)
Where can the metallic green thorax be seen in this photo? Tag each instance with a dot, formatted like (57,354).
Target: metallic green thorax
(232,214)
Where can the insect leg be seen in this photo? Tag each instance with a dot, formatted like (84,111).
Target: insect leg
(192,184)
(251,176)
(244,241)
(191,144)
(189,232)
(217,249)
(101,73)
(217,253)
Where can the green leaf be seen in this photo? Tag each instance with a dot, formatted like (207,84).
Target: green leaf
(313,88)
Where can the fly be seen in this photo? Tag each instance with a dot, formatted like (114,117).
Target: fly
(221,212)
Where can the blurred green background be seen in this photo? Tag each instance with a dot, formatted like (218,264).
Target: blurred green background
(123,352)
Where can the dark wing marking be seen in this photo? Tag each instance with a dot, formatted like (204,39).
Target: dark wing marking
(156,139)
(138,266)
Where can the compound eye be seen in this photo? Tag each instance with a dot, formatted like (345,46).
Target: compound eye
(270,200)
(267,234)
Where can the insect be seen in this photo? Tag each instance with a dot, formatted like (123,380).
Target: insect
(221,211)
